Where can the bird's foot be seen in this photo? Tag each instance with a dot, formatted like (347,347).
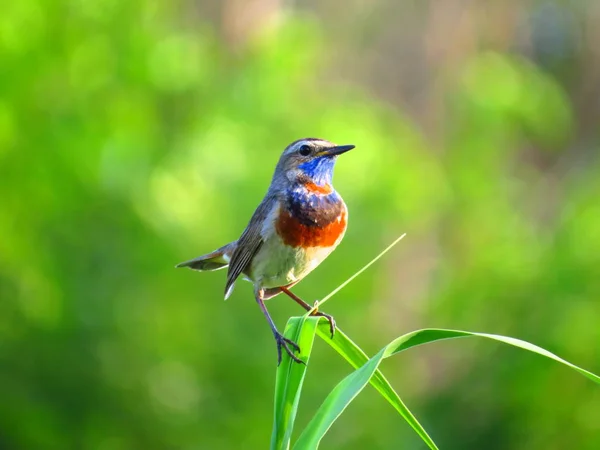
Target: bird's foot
(286,344)
(329,318)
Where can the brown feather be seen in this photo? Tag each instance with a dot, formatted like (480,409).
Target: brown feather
(249,243)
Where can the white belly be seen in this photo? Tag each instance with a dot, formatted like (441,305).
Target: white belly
(277,264)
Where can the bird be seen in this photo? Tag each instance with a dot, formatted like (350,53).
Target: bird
(299,222)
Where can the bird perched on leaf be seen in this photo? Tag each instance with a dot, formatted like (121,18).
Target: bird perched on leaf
(297,225)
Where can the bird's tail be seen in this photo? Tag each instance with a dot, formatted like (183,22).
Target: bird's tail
(212,261)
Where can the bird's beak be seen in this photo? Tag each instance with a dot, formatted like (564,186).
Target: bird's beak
(337,150)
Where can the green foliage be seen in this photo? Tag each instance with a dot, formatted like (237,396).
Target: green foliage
(347,390)
(289,380)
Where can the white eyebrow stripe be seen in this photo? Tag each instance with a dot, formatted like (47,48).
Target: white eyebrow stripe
(294,146)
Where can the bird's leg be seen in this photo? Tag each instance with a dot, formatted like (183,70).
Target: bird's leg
(307,307)
(279,338)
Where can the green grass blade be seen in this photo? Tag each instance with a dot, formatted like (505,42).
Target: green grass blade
(365,267)
(289,379)
(428,335)
(352,353)
(352,385)
(336,402)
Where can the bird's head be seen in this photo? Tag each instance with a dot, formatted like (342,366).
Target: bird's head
(310,160)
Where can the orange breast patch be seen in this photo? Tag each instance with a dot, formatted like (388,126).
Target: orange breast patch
(316,189)
(296,234)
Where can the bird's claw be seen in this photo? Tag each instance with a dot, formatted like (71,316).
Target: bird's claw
(330,319)
(286,343)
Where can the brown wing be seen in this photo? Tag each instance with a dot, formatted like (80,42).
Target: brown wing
(249,243)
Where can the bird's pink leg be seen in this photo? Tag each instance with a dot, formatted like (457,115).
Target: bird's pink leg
(307,307)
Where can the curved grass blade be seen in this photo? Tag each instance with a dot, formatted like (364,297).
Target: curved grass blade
(352,353)
(428,335)
(336,402)
(350,387)
(289,379)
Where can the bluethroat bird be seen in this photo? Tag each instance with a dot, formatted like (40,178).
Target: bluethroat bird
(297,225)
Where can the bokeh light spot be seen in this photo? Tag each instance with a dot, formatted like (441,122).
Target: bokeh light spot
(173,385)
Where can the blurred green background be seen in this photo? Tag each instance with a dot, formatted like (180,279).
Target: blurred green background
(136,134)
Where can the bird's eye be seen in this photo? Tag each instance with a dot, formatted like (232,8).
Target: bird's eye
(304,150)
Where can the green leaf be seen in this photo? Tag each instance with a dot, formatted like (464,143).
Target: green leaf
(336,402)
(290,378)
(350,387)
(356,357)
(428,335)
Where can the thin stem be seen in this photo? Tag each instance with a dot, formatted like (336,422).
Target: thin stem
(343,285)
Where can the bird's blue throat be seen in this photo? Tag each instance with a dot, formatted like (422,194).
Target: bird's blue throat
(319,170)
(310,207)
